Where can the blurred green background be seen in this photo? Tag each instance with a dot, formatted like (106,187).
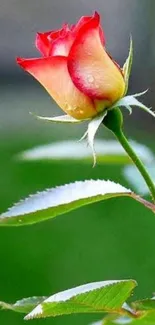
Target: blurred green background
(114,239)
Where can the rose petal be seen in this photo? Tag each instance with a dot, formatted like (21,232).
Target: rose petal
(85,19)
(90,67)
(55,43)
(62,45)
(81,22)
(43,43)
(52,73)
(54,34)
(61,42)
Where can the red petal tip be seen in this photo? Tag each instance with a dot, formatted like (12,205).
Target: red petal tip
(19,60)
(23,62)
(96,15)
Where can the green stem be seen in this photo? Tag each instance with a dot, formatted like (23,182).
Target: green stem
(114,122)
(125,144)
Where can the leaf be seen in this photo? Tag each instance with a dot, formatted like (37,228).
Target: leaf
(142,313)
(133,176)
(97,297)
(132,101)
(145,304)
(23,306)
(92,129)
(128,65)
(107,151)
(144,318)
(59,119)
(59,200)
(62,199)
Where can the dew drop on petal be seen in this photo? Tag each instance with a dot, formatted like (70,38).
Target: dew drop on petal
(90,78)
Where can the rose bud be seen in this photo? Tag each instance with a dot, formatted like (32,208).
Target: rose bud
(76,70)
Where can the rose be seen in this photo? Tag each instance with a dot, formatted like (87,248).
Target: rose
(75,68)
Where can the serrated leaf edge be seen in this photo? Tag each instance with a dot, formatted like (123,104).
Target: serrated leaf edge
(38,310)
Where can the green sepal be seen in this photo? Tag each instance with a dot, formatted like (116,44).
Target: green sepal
(131,100)
(127,66)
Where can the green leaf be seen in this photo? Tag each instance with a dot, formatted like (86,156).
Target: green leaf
(59,200)
(97,297)
(143,313)
(23,306)
(107,151)
(132,101)
(59,119)
(134,178)
(144,318)
(145,304)
(92,129)
(128,65)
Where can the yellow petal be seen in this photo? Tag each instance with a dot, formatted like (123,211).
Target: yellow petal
(52,73)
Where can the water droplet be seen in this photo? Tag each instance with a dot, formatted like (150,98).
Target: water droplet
(68,107)
(90,79)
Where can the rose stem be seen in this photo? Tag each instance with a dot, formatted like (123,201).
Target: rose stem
(114,122)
